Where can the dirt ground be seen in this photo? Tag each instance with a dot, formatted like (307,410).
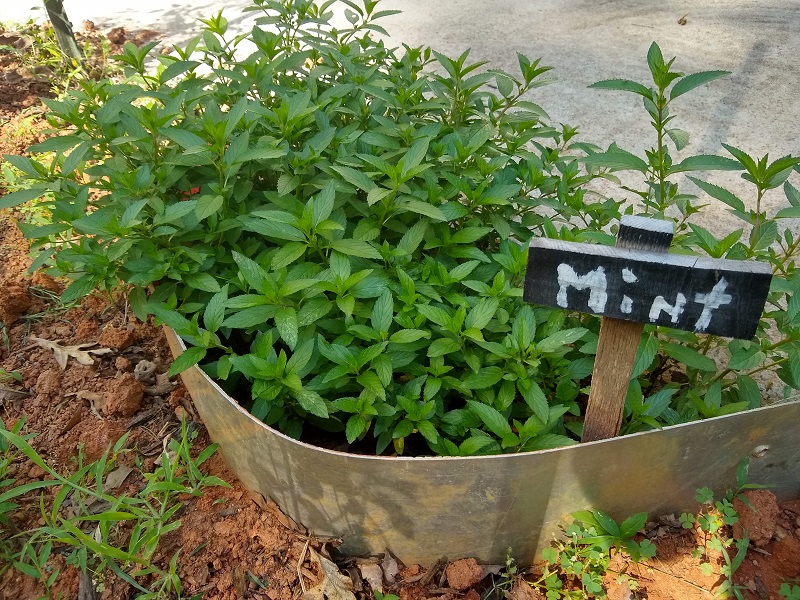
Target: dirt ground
(235,544)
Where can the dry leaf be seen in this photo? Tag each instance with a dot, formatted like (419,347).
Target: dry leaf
(11,395)
(144,369)
(117,477)
(372,574)
(389,566)
(96,401)
(62,353)
(74,419)
(162,386)
(334,585)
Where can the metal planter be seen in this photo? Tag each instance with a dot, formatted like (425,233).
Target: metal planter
(425,508)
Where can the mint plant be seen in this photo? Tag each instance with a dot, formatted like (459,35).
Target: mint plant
(339,232)
(712,389)
(335,231)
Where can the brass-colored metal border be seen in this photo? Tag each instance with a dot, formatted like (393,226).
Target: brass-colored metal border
(424,508)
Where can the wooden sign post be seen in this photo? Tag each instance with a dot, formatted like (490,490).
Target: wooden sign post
(638,282)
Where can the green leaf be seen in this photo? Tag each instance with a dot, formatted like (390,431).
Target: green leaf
(289,253)
(632,525)
(443,346)
(425,209)
(286,322)
(623,85)
(79,288)
(484,378)
(129,217)
(748,391)
(265,225)
(382,312)
(56,144)
(175,212)
(202,281)
(655,61)
(356,248)
(791,212)
(720,193)
(214,314)
(19,197)
(250,317)
(187,358)
(505,85)
(645,354)
(705,162)
(312,402)
(690,82)
(491,418)
(74,158)
(689,357)
(356,425)
(792,194)
(253,274)
(608,524)
(354,177)
(179,67)
(744,359)
(616,160)
(428,431)
(415,155)
(557,341)
(534,397)
(260,153)
(679,137)
(482,313)
(184,138)
(407,336)
(208,205)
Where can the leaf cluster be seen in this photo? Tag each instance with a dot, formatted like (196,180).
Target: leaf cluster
(335,228)
(339,231)
(574,567)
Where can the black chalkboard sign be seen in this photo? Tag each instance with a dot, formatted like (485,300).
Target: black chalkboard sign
(705,295)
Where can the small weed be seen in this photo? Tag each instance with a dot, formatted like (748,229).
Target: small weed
(789,591)
(4,336)
(573,569)
(35,47)
(9,375)
(261,583)
(714,519)
(122,538)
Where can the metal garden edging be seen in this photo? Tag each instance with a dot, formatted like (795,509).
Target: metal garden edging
(424,508)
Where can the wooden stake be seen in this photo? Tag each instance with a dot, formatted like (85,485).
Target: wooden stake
(616,348)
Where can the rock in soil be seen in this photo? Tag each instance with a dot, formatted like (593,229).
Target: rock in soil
(759,519)
(463,573)
(123,396)
(49,382)
(14,301)
(117,338)
(100,437)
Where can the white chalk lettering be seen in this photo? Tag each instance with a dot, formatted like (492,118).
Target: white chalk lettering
(712,301)
(594,280)
(626,306)
(674,311)
(628,276)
